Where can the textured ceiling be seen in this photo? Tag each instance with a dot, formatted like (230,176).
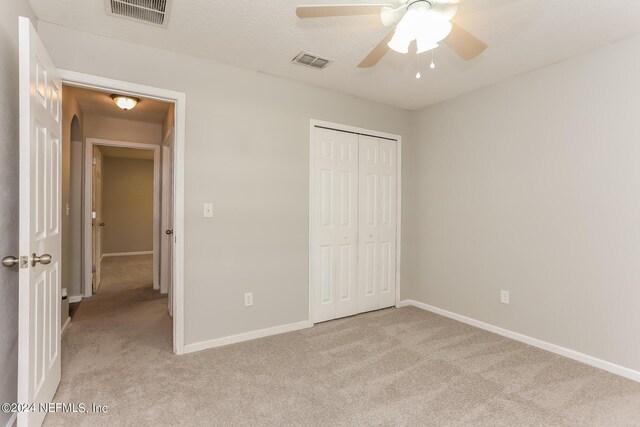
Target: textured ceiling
(96,102)
(264,35)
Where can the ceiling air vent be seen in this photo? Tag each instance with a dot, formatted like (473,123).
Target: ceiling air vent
(154,12)
(311,60)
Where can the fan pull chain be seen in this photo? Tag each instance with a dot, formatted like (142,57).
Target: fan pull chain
(418,73)
(433,62)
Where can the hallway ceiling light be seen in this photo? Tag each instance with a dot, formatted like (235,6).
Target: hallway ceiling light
(125,102)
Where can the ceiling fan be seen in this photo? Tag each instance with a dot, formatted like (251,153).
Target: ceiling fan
(428,22)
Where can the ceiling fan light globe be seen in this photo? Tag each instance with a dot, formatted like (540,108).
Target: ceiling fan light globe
(425,45)
(402,37)
(433,26)
(399,44)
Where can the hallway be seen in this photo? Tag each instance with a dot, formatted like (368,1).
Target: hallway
(125,320)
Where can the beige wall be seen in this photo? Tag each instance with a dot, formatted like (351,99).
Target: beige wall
(127,204)
(9,132)
(247,152)
(533,186)
(98,126)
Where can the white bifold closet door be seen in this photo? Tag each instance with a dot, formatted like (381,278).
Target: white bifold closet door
(377,224)
(336,229)
(354,224)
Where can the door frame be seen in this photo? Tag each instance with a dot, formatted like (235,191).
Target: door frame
(89,81)
(87,208)
(313,179)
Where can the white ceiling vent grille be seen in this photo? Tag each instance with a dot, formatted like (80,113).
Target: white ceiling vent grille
(154,12)
(311,60)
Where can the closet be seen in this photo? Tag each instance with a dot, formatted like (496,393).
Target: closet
(353,223)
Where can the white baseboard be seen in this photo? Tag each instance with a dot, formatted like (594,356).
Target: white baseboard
(66,323)
(75,298)
(126,254)
(246,336)
(553,348)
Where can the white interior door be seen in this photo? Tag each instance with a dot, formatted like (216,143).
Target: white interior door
(98,220)
(166,248)
(369,224)
(377,223)
(336,224)
(40,234)
(387,230)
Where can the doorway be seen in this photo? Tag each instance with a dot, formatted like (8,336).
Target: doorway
(107,142)
(123,192)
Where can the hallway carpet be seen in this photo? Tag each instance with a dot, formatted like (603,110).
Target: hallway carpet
(390,367)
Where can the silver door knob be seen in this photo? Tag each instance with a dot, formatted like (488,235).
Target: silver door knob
(10,261)
(43,259)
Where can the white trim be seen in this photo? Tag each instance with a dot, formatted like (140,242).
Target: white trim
(126,254)
(88,177)
(75,298)
(337,126)
(544,345)
(66,323)
(89,81)
(12,420)
(247,336)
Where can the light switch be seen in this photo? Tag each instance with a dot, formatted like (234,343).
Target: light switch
(208,210)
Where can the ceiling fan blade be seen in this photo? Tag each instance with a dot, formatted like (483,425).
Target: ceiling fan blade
(321,11)
(466,45)
(377,53)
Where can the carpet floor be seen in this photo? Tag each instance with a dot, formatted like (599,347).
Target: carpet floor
(391,367)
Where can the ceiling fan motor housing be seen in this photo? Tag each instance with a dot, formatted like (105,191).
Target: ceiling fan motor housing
(390,16)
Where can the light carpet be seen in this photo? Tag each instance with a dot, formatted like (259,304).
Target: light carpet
(390,367)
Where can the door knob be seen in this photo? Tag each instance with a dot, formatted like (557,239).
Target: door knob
(10,261)
(168,232)
(43,259)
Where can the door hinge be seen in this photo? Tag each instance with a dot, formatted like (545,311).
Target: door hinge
(95,161)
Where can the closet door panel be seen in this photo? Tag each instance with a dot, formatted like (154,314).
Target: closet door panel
(336,222)
(388,223)
(347,225)
(324,268)
(369,246)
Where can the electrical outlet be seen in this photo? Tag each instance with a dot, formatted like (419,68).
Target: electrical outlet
(248,299)
(208,210)
(504,297)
